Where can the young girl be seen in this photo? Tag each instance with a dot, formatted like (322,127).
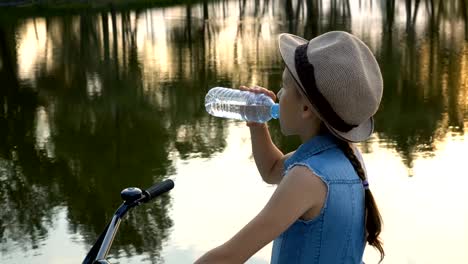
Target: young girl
(322,210)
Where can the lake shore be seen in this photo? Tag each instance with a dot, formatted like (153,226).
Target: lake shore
(45,8)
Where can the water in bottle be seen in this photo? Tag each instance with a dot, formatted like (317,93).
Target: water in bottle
(240,105)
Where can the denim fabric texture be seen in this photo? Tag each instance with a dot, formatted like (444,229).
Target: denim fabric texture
(337,234)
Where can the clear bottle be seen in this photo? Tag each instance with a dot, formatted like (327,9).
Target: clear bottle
(240,105)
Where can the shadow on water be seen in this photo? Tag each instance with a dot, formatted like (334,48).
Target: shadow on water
(112,98)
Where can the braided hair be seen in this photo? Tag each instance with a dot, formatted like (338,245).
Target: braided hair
(373,219)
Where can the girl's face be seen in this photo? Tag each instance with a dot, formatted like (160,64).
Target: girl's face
(291,106)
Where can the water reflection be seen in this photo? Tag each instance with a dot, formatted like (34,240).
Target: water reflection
(424,79)
(93,103)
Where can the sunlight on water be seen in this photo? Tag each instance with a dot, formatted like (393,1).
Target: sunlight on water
(43,136)
(32,47)
(424,213)
(93,85)
(212,204)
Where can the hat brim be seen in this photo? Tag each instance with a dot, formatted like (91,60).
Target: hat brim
(287,47)
(357,134)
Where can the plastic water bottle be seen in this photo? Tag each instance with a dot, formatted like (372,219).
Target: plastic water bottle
(240,105)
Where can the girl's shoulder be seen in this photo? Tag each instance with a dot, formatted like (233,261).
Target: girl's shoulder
(329,165)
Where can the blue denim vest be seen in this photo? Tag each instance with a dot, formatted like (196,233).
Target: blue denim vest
(337,234)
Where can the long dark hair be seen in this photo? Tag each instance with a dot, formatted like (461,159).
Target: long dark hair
(373,219)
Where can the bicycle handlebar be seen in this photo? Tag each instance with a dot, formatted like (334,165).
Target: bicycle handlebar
(157,189)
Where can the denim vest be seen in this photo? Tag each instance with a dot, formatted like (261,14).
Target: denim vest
(337,234)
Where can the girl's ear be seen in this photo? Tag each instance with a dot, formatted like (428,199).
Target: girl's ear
(307,112)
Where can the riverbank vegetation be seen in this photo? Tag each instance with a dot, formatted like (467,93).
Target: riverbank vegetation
(22,8)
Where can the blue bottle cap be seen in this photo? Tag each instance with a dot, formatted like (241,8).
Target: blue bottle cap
(274,111)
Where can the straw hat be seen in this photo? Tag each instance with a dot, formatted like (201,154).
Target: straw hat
(340,77)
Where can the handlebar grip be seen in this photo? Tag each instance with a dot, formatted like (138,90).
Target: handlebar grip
(158,189)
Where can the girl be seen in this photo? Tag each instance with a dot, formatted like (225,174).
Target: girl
(322,210)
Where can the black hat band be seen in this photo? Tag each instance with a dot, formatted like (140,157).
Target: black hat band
(306,72)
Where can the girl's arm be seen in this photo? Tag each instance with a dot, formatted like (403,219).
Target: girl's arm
(298,192)
(268,158)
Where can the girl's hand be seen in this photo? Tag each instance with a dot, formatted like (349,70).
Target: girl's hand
(258,89)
